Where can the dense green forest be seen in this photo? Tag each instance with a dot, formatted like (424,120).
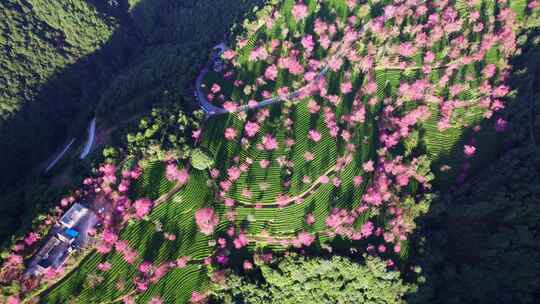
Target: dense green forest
(317,280)
(41,38)
(480,241)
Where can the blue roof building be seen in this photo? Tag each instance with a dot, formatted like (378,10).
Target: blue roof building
(71,233)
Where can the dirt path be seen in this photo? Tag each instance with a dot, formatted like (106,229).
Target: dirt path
(165,197)
(294,198)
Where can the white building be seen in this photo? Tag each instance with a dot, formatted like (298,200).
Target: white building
(74,215)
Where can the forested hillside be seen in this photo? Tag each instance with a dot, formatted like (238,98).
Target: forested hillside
(39,38)
(480,241)
(68,61)
(45,49)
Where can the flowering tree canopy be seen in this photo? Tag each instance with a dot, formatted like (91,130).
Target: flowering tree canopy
(206,219)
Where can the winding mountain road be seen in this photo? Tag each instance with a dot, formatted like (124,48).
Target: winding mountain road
(211,110)
(86,149)
(90,140)
(59,156)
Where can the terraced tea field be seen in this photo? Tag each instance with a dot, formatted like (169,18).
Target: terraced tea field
(351,152)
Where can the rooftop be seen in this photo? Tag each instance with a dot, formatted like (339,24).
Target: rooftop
(54,253)
(74,215)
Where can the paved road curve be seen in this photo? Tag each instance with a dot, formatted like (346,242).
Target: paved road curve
(91,137)
(211,110)
(59,156)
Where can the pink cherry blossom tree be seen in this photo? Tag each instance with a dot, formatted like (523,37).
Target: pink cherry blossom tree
(206,220)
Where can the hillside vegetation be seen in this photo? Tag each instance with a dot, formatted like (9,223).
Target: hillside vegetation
(479,243)
(134,57)
(39,38)
(371,102)
(41,42)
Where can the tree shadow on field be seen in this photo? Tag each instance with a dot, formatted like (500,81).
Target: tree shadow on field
(155,50)
(480,242)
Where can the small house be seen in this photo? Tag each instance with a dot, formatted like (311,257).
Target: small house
(53,254)
(68,235)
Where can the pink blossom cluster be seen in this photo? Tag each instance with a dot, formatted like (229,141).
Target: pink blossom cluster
(341,222)
(300,11)
(198,298)
(111,241)
(258,53)
(174,174)
(269,142)
(206,220)
(303,239)
(251,128)
(142,207)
